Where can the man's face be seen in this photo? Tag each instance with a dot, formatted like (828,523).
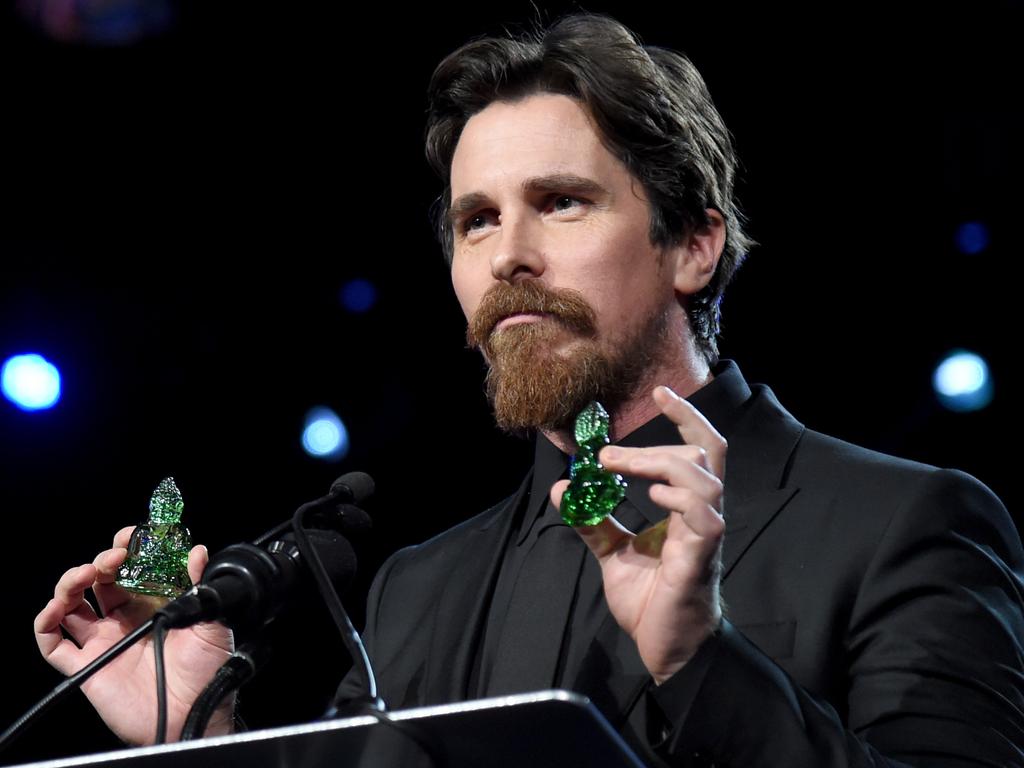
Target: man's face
(543,211)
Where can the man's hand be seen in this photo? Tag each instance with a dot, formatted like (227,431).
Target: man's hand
(662,585)
(124,691)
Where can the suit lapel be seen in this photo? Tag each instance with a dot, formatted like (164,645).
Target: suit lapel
(746,519)
(462,608)
(762,443)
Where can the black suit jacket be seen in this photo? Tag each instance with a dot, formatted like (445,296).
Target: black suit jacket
(874,616)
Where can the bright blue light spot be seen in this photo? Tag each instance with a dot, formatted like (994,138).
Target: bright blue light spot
(358,295)
(972,238)
(31,382)
(962,382)
(324,435)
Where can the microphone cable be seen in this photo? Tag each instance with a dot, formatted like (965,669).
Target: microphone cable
(72,683)
(159,635)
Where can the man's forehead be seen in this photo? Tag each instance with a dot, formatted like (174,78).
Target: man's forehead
(540,136)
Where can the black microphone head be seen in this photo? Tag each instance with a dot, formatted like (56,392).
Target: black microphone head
(352,519)
(336,554)
(353,486)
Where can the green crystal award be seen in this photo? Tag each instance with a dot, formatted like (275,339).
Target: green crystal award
(157,562)
(593,491)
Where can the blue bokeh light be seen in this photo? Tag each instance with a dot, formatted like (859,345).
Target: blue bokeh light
(324,435)
(358,295)
(972,237)
(962,382)
(31,382)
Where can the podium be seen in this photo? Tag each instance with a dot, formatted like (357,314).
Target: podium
(547,729)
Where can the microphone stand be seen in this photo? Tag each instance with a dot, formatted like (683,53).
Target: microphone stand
(237,671)
(349,635)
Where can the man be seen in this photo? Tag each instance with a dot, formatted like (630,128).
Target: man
(591,231)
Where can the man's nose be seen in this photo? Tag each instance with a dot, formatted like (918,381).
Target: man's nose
(518,255)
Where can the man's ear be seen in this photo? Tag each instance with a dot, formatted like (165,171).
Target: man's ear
(696,257)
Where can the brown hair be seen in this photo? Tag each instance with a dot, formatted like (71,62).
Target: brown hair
(652,108)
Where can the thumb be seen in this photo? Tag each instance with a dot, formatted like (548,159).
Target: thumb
(603,538)
(556,493)
(197,560)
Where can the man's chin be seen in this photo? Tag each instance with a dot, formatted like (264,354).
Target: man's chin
(546,393)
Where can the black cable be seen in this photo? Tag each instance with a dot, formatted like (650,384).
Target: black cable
(72,683)
(353,643)
(233,673)
(159,633)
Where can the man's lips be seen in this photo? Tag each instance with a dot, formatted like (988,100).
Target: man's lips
(519,317)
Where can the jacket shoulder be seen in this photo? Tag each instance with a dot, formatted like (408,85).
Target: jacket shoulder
(879,486)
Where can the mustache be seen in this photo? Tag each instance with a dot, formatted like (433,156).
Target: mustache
(529,296)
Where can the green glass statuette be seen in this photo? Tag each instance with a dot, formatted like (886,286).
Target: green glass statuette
(157,562)
(593,491)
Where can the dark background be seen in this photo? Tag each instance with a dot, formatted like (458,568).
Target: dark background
(180,214)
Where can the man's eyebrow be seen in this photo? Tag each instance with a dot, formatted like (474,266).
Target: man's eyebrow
(564,182)
(466,203)
(569,183)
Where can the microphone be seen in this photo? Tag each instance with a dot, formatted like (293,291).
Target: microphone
(356,487)
(343,511)
(245,586)
(338,510)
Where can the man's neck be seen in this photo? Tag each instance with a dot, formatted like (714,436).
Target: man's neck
(684,379)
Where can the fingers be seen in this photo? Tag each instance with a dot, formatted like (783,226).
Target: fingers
(107,563)
(687,487)
(109,596)
(58,651)
(70,609)
(556,493)
(691,475)
(603,538)
(677,465)
(693,427)
(197,561)
(700,516)
(122,537)
(70,591)
(47,627)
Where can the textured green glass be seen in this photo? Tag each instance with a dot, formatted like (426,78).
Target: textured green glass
(593,491)
(157,562)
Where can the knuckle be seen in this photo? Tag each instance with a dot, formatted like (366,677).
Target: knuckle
(717,488)
(685,497)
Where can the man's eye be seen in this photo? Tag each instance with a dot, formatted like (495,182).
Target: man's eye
(565,202)
(476,221)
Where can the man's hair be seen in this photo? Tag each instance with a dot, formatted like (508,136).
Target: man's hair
(652,109)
